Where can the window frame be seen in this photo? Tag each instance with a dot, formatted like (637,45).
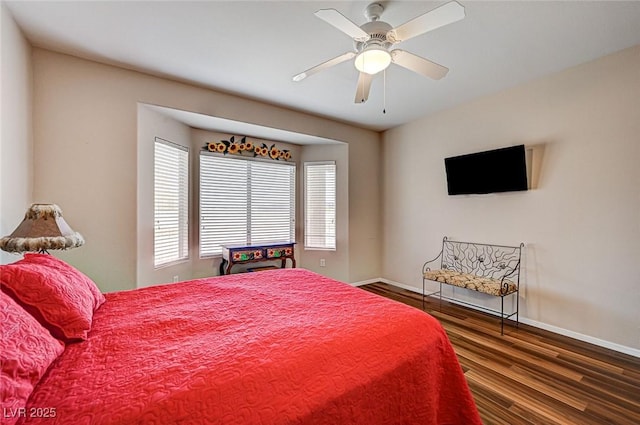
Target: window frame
(293,195)
(184,236)
(307,246)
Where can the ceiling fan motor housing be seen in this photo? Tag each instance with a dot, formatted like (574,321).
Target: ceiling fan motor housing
(377,31)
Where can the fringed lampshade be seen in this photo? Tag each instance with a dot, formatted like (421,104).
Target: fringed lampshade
(43,228)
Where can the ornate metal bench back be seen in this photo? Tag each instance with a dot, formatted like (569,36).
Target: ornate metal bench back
(494,261)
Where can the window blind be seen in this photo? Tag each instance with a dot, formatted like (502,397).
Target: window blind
(171,202)
(245,202)
(320,205)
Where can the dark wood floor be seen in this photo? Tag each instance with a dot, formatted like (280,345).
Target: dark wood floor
(531,376)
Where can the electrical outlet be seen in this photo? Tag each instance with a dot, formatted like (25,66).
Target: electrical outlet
(176,278)
(322,262)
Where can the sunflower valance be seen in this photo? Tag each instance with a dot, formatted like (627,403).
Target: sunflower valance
(247,147)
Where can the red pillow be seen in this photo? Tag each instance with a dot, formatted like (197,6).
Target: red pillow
(75,275)
(59,297)
(26,352)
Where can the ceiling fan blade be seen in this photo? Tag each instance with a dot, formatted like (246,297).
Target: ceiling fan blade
(338,20)
(436,18)
(364,85)
(324,65)
(418,65)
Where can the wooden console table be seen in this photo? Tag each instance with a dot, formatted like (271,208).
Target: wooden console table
(242,254)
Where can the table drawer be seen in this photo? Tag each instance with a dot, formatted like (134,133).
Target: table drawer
(253,254)
(279,252)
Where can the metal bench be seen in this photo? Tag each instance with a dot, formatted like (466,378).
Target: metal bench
(485,268)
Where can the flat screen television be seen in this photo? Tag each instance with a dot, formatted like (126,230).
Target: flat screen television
(499,170)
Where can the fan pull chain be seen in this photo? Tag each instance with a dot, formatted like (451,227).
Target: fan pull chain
(384,91)
(361,84)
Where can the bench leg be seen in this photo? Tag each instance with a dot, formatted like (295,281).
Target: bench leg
(501,315)
(517,309)
(424,296)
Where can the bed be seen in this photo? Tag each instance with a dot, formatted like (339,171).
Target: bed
(276,347)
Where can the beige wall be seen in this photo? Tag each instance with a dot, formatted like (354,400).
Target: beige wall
(16,137)
(365,211)
(85,135)
(581,225)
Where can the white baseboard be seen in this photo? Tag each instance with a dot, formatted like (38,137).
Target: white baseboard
(401,285)
(561,331)
(586,338)
(366,282)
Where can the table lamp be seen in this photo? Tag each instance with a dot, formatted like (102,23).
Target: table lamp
(43,228)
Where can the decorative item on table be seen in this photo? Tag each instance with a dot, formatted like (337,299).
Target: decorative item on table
(245,146)
(43,228)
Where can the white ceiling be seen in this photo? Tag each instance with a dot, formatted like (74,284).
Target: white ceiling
(252,49)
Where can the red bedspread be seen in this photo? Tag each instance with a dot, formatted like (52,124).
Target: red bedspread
(275,347)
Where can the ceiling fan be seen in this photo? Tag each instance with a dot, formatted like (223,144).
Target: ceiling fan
(373,42)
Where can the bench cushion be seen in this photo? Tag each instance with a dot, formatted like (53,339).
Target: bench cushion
(485,285)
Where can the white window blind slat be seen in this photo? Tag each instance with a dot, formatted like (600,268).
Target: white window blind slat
(320,205)
(245,202)
(171,203)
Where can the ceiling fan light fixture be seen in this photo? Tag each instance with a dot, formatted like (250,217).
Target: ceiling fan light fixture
(372,60)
